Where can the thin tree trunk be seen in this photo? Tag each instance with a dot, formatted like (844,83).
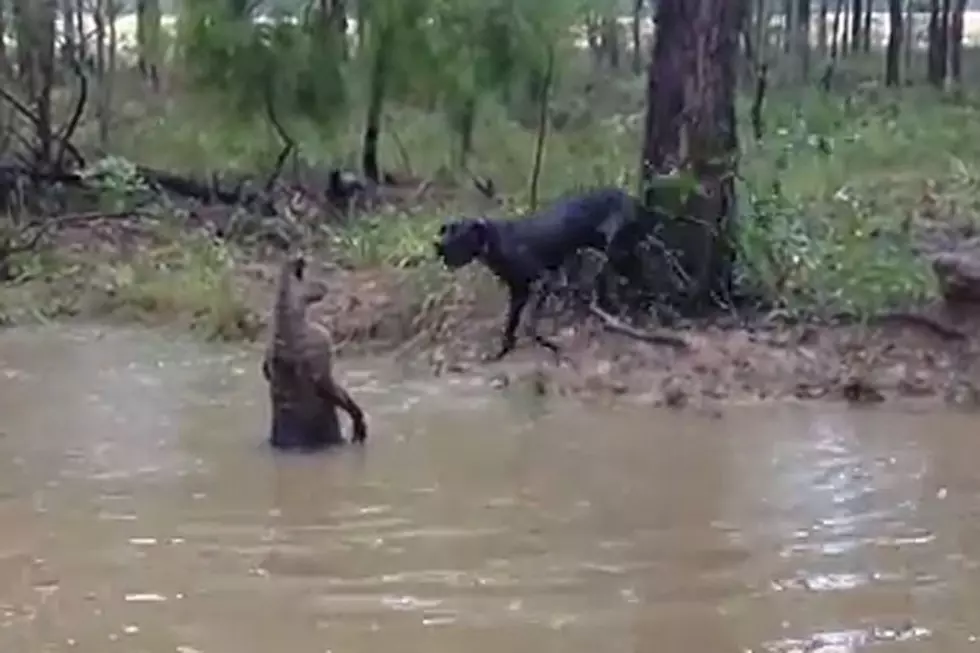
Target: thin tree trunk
(690,125)
(836,36)
(944,25)
(68,31)
(822,28)
(803,19)
(857,14)
(909,41)
(637,36)
(868,18)
(543,101)
(4,61)
(894,49)
(762,30)
(956,43)
(935,68)
(375,109)
(101,72)
(82,44)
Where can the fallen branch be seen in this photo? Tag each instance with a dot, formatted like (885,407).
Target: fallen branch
(55,222)
(945,331)
(618,326)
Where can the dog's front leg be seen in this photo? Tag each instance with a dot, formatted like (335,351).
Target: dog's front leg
(519,295)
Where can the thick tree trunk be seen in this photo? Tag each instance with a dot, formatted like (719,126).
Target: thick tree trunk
(894,50)
(691,129)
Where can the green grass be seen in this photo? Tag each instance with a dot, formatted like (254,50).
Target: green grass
(830,200)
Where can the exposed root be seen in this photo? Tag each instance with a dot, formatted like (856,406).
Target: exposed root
(618,326)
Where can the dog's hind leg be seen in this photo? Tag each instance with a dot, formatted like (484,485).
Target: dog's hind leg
(544,289)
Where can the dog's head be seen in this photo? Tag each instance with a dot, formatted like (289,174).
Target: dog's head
(461,241)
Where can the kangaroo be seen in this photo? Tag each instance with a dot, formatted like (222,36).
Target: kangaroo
(298,366)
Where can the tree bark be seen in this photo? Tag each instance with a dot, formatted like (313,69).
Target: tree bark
(637,36)
(935,56)
(4,61)
(866,38)
(822,28)
(803,20)
(894,49)
(856,15)
(907,42)
(835,39)
(690,128)
(956,43)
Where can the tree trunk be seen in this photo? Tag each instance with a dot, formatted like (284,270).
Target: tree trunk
(4,61)
(845,31)
(956,43)
(909,41)
(894,50)
(82,45)
(35,28)
(789,22)
(148,40)
(690,127)
(856,15)
(803,19)
(866,37)
(822,28)
(835,38)
(376,98)
(944,28)
(101,36)
(68,31)
(762,30)
(637,37)
(610,41)
(944,25)
(934,71)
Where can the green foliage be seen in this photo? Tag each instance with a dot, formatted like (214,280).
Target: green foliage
(243,62)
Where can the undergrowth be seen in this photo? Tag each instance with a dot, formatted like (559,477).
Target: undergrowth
(832,199)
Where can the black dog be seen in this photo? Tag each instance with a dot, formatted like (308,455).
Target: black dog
(529,252)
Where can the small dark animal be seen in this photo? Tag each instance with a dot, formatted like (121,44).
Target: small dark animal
(529,252)
(298,367)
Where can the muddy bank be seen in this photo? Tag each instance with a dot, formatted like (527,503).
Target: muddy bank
(448,333)
(436,324)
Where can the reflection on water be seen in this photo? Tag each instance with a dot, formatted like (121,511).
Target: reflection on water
(140,511)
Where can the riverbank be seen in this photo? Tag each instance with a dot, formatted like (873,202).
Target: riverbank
(434,323)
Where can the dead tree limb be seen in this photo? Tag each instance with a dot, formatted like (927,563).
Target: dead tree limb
(618,326)
(288,144)
(66,133)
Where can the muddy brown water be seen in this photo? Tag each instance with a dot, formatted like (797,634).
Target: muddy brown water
(140,511)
